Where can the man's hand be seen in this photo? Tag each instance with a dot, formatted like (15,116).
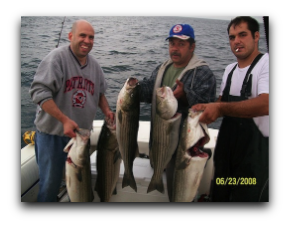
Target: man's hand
(211,112)
(258,106)
(179,92)
(69,127)
(111,116)
(104,106)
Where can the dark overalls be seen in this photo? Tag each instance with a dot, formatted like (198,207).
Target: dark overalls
(241,155)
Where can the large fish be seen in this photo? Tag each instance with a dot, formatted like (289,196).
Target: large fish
(166,103)
(108,161)
(165,135)
(127,124)
(78,168)
(190,160)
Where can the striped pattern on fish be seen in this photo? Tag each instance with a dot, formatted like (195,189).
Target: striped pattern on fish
(164,144)
(108,161)
(78,178)
(190,160)
(127,125)
(165,135)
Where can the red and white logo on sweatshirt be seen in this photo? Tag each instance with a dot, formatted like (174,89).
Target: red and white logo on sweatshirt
(79,99)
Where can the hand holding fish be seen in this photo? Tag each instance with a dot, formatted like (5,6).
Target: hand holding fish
(190,160)
(69,127)
(104,106)
(78,169)
(211,111)
(111,116)
(179,92)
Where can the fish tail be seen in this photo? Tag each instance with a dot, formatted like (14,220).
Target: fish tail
(115,191)
(156,185)
(128,180)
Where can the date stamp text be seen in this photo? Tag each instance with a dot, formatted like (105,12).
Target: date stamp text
(236,181)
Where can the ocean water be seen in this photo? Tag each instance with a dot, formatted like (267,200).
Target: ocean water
(124,47)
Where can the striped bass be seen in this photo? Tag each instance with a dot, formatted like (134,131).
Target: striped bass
(166,103)
(108,161)
(78,168)
(165,135)
(190,160)
(127,125)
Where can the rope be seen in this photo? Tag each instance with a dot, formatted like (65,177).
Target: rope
(28,137)
(60,33)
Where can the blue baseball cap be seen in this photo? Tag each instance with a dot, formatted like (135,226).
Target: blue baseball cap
(181,31)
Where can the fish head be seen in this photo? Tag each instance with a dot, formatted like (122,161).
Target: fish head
(111,130)
(77,147)
(166,103)
(197,134)
(107,139)
(129,94)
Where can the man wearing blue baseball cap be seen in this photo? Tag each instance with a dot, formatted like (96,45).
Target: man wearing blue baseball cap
(190,78)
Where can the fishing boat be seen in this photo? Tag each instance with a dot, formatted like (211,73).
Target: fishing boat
(141,168)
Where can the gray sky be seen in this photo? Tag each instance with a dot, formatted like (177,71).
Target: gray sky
(258,18)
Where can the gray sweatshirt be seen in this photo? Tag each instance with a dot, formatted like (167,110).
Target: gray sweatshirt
(74,88)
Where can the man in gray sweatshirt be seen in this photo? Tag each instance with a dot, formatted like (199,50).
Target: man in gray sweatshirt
(68,87)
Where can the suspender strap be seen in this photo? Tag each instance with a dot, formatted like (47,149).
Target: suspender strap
(227,88)
(246,90)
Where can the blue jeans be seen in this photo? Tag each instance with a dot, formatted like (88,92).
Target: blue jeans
(51,161)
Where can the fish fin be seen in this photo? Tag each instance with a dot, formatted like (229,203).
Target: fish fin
(117,156)
(120,116)
(129,181)
(183,164)
(208,151)
(151,163)
(156,185)
(126,180)
(79,175)
(115,191)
